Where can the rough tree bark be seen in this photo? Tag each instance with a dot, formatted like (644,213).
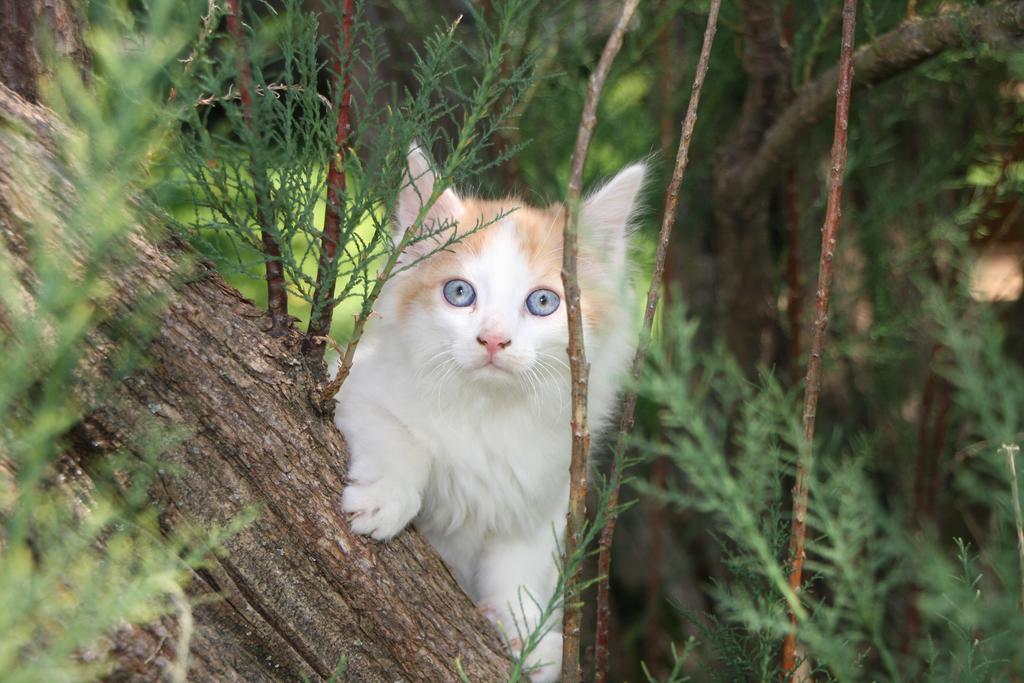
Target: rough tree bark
(296,590)
(21,58)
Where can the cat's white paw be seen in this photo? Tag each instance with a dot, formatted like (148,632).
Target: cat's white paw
(379,509)
(545,662)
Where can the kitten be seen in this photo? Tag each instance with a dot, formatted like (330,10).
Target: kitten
(457,408)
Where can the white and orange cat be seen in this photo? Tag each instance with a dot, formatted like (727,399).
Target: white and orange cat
(457,408)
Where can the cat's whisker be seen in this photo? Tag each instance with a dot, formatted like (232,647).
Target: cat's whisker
(561,379)
(560,373)
(428,363)
(426,374)
(425,371)
(545,359)
(539,385)
(537,402)
(548,232)
(540,372)
(429,378)
(551,252)
(450,368)
(551,356)
(535,380)
(551,373)
(520,380)
(523,380)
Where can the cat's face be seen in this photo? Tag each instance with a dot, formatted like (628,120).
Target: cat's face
(490,309)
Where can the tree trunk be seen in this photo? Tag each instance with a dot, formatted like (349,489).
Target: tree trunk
(746,307)
(21,55)
(296,589)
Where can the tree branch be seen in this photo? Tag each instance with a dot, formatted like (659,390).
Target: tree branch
(579,368)
(892,54)
(22,57)
(322,310)
(653,296)
(829,235)
(277,295)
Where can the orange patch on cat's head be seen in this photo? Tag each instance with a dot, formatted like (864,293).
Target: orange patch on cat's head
(539,236)
(540,232)
(420,286)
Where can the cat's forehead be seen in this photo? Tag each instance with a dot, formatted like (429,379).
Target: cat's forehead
(512,231)
(506,248)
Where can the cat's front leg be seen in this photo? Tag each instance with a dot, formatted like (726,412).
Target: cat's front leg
(387,474)
(516,580)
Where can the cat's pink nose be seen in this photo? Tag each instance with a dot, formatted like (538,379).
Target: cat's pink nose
(493,342)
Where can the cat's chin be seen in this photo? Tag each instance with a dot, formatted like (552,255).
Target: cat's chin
(489,373)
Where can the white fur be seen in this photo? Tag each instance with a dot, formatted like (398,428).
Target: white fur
(478,457)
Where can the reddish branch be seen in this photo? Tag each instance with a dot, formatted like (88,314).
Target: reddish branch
(812,389)
(277,295)
(653,296)
(579,368)
(326,273)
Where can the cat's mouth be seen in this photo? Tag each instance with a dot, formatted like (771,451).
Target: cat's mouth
(491,367)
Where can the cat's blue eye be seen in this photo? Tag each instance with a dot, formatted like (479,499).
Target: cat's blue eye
(459,293)
(542,302)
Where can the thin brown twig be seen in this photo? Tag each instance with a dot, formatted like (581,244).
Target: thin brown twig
(579,368)
(277,295)
(653,296)
(322,310)
(1011,450)
(812,389)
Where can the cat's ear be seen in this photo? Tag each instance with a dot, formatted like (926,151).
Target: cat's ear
(606,215)
(416,190)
